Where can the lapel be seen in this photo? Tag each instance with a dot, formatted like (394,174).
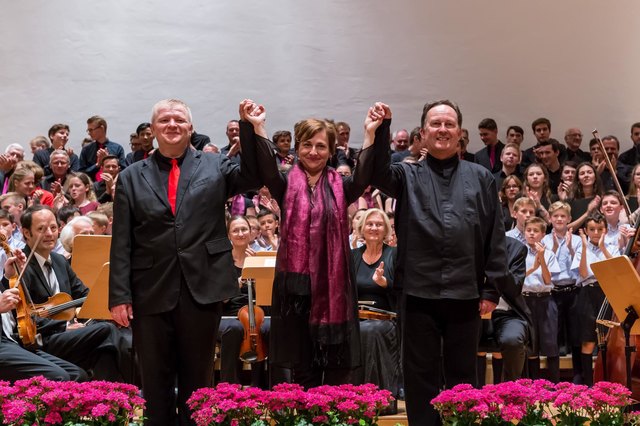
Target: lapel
(189,167)
(151,174)
(37,277)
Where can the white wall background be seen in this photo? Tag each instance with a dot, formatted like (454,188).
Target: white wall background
(573,61)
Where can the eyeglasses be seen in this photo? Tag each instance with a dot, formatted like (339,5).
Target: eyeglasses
(89,129)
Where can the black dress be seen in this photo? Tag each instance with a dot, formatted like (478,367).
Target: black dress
(379,339)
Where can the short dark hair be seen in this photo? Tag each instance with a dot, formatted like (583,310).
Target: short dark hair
(108,157)
(65,212)
(594,217)
(142,127)
(519,130)
(488,123)
(611,138)
(635,125)
(614,193)
(266,212)
(415,133)
(555,145)
(27,217)
(446,102)
(539,121)
(101,122)
(56,127)
(4,214)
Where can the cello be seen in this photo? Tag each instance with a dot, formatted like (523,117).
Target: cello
(611,362)
(251,317)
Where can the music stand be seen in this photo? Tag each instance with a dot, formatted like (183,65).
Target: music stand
(96,306)
(620,283)
(262,270)
(90,252)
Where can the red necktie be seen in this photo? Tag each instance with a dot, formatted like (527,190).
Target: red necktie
(174,177)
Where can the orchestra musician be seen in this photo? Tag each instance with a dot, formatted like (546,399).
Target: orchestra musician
(93,346)
(372,270)
(231,331)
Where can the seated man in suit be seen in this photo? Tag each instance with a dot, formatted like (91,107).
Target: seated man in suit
(16,361)
(93,346)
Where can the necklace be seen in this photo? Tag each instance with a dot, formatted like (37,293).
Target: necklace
(371,258)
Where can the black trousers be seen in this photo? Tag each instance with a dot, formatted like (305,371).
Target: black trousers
(511,334)
(231,335)
(175,346)
(440,341)
(17,363)
(92,347)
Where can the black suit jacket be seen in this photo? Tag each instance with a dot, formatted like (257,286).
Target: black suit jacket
(39,290)
(153,251)
(198,140)
(482,158)
(38,286)
(511,287)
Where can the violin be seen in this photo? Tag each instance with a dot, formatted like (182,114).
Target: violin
(27,330)
(251,317)
(60,306)
(369,312)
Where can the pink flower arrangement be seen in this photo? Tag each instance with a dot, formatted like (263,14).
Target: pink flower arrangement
(41,401)
(538,402)
(288,405)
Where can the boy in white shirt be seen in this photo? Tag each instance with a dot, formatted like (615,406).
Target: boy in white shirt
(592,249)
(541,264)
(563,243)
(523,209)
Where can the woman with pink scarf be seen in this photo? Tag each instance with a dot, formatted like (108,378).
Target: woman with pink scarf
(314,324)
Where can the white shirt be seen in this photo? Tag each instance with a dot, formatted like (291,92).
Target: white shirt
(515,233)
(594,254)
(49,274)
(534,282)
(563,256)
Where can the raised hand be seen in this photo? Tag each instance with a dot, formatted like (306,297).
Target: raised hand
(374,117)
(378,275)
(568,238)
(594,204)
(56,186)
(583,237)
(100,156)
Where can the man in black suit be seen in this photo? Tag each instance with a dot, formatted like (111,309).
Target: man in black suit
(512,323)
(489,156)
(93,347)
(171,263)
(16,361)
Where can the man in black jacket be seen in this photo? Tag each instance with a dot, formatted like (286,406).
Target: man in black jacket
(171,263)
(451,258)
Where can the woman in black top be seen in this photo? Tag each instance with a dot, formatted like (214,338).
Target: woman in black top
(372,268)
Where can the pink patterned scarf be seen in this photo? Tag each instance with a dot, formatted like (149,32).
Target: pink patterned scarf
(313,257)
